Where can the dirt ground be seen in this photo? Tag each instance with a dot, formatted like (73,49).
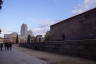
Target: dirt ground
(52,58)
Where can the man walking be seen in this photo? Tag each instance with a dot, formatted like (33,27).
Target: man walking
(1,46)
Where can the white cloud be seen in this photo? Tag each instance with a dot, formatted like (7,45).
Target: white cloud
(86,5)
(43,27)
(40,31)
(5,31)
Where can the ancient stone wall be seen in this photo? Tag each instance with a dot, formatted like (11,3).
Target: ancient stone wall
(79,27)
(78,48)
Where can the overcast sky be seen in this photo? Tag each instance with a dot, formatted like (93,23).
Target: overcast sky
(39,14)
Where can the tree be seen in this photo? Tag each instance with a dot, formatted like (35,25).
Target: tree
(29,39)
(47,36)
(0,31)
(1,2)
(17,39)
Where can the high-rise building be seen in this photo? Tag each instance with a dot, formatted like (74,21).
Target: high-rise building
(24,32)
(24,29)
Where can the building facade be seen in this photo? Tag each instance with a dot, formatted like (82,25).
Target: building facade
(39,38)
(24,30)
(1,40)
(10,38)
(79,27)
(29,32)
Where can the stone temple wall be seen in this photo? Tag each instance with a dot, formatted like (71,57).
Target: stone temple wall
(82,26)
(78,48)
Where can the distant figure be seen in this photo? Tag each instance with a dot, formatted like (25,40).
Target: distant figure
(10,46)
(1,46)
(5,45)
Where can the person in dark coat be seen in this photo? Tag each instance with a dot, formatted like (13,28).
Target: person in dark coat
(10,46)
(1,46)
(5,45)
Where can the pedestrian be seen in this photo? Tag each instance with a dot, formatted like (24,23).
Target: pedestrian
(5,45)
(1,46)
(10,46)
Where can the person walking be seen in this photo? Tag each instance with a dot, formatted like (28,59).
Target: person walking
(1,46)
(10,46)
(5,45)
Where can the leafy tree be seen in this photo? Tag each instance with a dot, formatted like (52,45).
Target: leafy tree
(29,39)
(1,2)
(17,39)
(47,36)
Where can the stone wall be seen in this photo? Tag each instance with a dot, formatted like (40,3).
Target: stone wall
(79,48)
(79,27)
